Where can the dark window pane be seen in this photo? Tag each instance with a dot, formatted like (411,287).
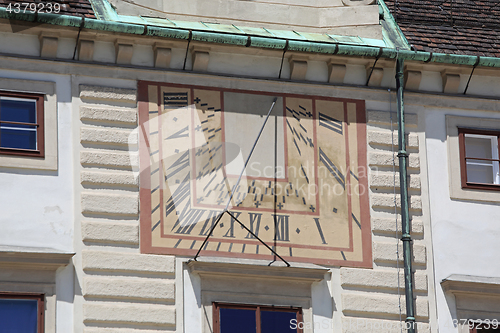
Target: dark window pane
(237,321)
(21,111)
(10,137)
(478,147)
(480,172)
(18,316)
(277,321)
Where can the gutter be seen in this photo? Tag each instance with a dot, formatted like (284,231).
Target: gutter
(250,41)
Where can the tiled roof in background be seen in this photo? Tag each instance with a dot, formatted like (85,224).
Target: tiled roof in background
(81,8)
(450,26)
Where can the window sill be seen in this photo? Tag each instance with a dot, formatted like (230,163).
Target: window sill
(479,186)
(34,258)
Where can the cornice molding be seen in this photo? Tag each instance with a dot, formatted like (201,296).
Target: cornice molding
(471,284)
(257,269)
(33,258)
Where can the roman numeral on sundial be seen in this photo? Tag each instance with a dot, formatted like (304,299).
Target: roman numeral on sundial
(254,224)
(177,99)
(282,228)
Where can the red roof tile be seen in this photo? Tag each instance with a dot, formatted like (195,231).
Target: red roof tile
(467,27)
(68,7)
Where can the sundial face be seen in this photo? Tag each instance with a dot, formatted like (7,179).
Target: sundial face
(304,191)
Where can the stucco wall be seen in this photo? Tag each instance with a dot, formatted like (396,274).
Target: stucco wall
(37,205)
(464,232)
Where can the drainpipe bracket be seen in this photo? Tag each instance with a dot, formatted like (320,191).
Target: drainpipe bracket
(406,237)
(402,153)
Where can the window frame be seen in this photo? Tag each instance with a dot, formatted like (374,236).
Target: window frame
(463,165)
(40,298)
(258,308)
(40,116)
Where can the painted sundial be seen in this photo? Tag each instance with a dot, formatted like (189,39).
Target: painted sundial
(303,191)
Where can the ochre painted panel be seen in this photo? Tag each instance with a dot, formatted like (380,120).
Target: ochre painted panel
(303,192)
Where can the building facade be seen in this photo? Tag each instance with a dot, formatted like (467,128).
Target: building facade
(230,166)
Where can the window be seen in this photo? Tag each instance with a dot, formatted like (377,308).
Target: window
(21,124)
(21,313)
(479,151)
(229,318)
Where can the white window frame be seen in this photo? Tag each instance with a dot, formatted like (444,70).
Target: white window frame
(453,123)
(494,155)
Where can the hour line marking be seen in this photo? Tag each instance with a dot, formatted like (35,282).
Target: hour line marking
(332,168)
(154,209)
(208,184)
(191,218)
(205,229)
(318,225)
(330,123)
(155,189)
(303,139)
(356,220)
(179,134)
(178,196)
(289,126)
(296,146)
(182,162)
(177,244)
(303,171)
(156,224)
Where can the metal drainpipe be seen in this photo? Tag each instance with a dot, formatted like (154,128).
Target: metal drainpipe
(405,213)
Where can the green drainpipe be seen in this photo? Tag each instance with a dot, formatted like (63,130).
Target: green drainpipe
(405,213)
